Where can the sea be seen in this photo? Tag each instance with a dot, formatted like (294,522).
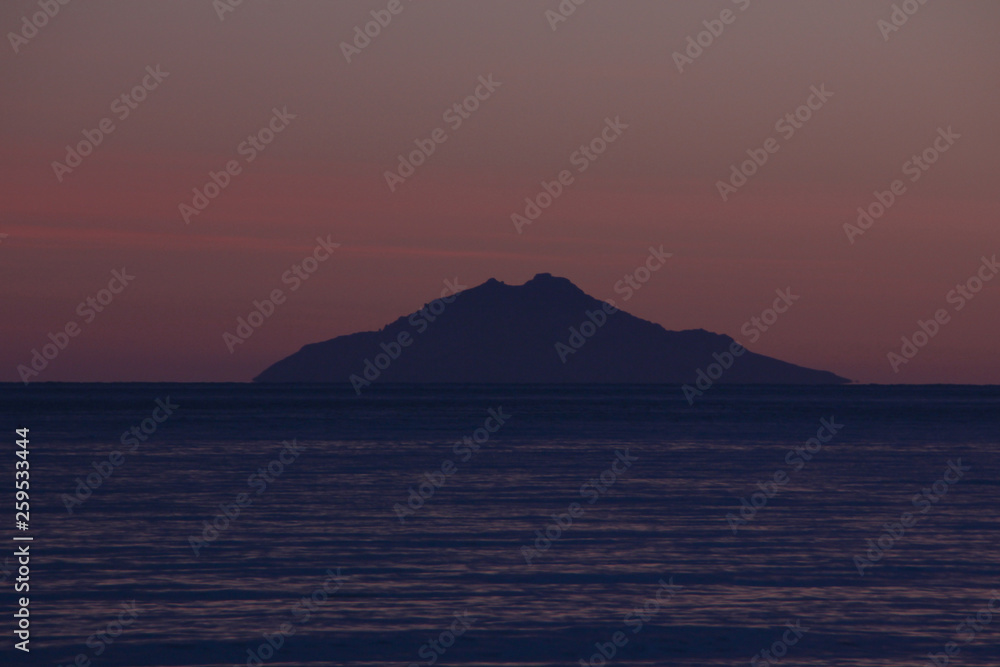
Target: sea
(305,525)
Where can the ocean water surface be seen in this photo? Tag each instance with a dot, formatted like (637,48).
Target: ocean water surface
(507,525)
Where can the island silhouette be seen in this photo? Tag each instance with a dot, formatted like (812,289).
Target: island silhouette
(547,330)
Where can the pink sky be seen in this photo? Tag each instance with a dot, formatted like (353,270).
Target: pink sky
(323,175)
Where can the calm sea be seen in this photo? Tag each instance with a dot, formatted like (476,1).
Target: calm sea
(303,525)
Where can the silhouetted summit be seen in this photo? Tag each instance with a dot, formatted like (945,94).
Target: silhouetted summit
(547,330)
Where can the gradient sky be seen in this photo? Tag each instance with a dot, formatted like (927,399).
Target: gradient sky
(324,174)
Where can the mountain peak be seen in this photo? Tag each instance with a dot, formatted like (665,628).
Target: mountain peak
(547,281)
(547,330)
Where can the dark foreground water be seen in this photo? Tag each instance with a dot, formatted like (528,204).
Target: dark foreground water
(318,560)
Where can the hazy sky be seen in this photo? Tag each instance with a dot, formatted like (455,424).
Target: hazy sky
(656,184)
